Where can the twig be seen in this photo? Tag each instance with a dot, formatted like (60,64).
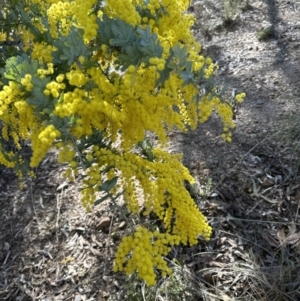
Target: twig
(43,252)
(31,194)
(106,251)
(6,258)
(58,205)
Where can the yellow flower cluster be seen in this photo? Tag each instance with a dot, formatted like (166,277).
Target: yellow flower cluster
(210,70)
(27,83)
(42,52)
(125,10)
(42,141)
(159,63)
(142,252)
(184,113)
(85,19)
(55,87)
(205,108)
(90,185)
(38,24)
(161,182)
(240,97)
(59,16)
(8,95)
(43,72)
(66,154)
(76,78)
(175,25)
(17,118)
(26,121)
(188,109)
(224,110)
(27,37)
(6,159)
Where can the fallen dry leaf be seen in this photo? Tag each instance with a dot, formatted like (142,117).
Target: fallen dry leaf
(292,229)
(225,297)
(104,222)
(293,238)
(281,236)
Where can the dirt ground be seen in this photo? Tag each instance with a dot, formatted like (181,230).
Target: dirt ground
(51,249)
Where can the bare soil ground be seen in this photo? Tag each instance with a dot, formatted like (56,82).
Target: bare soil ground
(51,249)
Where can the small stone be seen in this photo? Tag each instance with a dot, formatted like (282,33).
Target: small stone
(122,225)
(78,298)
(105,294)
(6,247)
(220,142)
(206,172)
(267,182)
(62,186)
(104,222)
